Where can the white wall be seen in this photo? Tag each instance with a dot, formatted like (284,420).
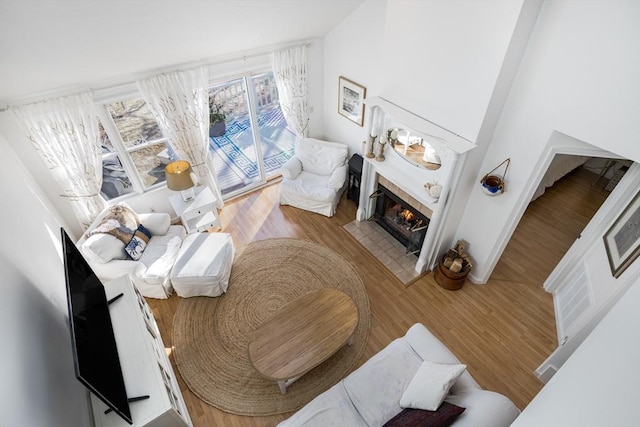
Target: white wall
(105,40)
(598,385)
(441,59)
(470,164)
(38,385)
(579,77)
(437,59)
(353,50)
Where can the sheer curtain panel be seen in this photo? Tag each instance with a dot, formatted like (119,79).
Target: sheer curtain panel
(290,74)
(65,133)
(180,102)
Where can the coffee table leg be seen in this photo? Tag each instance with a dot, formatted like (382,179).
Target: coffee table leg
(352,339)
(286,383)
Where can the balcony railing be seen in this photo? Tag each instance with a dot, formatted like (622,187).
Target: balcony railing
(232,97)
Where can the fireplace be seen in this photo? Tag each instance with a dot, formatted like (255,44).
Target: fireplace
(405,223)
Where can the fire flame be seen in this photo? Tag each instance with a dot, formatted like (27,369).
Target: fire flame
(407,215)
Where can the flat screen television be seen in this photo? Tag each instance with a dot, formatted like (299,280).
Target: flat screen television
(95,354)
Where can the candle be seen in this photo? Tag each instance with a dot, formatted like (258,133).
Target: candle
(374,130)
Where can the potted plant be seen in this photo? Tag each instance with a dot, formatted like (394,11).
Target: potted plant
(217,117)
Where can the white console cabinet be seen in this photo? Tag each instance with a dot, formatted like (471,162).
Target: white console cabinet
(145,365)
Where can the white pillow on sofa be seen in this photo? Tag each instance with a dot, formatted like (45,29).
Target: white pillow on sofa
(156,223)
(430,385)
(102,248)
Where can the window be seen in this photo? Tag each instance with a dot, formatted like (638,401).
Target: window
(254,144)
(129,128)
(115,180)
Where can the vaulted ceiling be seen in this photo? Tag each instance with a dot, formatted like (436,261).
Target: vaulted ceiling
(50,45)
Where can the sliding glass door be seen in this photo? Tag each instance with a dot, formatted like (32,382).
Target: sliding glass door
(277,139)
(254,141)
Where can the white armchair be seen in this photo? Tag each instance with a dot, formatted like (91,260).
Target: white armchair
(151,273)
(316,176)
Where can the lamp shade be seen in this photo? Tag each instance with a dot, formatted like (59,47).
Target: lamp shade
(179,175)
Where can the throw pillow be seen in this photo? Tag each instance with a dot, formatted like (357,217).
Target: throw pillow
(138,243)
(443,417)
(102,248)
(430,385)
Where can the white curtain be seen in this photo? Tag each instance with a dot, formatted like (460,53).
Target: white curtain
(65,132)
(290,73)
(180,102)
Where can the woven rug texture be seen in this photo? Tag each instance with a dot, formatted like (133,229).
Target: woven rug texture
(211,335)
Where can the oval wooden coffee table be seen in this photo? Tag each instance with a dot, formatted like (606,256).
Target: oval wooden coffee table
(302,334)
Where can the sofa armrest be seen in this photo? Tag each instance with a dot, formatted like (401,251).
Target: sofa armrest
(292,168)
(484,408)
(331,408)
(430,348)
(156,223)
(118,268)
(338,177)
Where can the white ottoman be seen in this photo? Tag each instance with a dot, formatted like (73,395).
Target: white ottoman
(203,266)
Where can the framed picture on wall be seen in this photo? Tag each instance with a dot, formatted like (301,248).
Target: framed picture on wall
(350,97)
(622,240)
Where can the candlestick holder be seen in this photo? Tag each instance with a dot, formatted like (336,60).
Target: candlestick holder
(370,144)
(380,157)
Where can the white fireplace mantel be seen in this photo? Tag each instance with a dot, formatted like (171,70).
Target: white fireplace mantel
(409,177)
(419,125)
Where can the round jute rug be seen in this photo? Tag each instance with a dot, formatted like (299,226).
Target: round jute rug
(211,335)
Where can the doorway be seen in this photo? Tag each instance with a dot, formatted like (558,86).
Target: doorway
(592,204)
(554,220)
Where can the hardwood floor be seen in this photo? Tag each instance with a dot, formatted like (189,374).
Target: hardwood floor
(502,330)
(550,226)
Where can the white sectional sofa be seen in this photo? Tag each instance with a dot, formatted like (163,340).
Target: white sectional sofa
(370,395)
(151,273)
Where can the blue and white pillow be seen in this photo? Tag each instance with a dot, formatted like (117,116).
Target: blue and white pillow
(138,243)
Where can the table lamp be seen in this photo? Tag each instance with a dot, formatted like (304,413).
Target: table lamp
(181,178)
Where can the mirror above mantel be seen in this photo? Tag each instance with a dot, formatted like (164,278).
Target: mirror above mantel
(433,133)
(414,148)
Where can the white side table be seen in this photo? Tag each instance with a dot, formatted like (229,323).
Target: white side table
(199,214)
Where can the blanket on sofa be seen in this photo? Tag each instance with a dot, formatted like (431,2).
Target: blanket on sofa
(123,223)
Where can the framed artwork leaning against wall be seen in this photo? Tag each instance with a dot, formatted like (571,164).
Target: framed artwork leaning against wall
(350,97)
